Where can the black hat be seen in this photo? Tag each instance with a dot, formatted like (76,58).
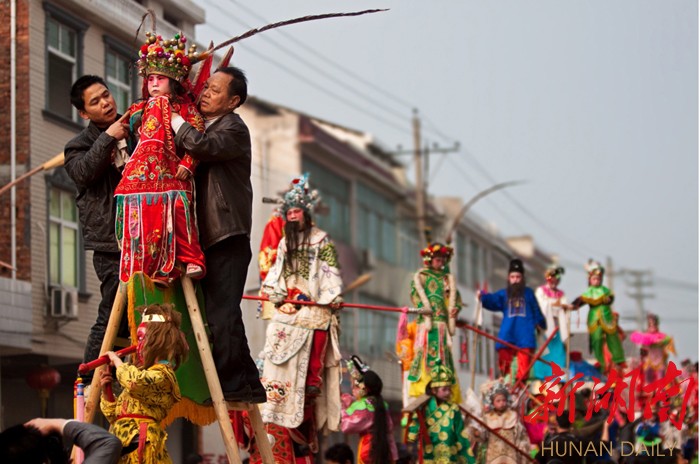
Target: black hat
(516,265)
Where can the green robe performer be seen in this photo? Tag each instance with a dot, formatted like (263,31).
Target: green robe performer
(434,287)
(602,326)
(438,426)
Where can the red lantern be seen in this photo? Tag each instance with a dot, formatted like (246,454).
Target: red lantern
(44,379)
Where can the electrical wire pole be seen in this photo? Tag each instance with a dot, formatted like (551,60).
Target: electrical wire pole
(640,281)
(421,160)
(420,185)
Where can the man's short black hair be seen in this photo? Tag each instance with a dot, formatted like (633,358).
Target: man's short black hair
(340,453)
(79,86)
(563,421)
(239,83)
(26,445)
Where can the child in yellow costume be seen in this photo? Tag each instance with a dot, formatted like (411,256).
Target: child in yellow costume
(150,388)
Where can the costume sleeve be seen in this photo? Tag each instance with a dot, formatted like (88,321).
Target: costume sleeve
(357,418)
(143,383)
(464,447)
(86,163)
(414,428)
(494,301)
(228,139)
(194,119)
(415,297)
(539,317)
(109,409)
(331,284)
(99,445)
(274,284)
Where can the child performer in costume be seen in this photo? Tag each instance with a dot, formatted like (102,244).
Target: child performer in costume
(521,317)
(655,347)
(440,420)
(369,416)
(553,305)
(602,326)
(150,388)
(156,226)
(506,421)
(433,288)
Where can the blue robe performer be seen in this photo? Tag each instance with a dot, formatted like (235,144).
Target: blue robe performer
(521,316)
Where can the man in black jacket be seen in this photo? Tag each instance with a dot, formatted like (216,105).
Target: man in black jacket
(224,213)
(89,162)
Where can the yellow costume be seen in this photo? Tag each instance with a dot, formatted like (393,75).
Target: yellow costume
(146,399)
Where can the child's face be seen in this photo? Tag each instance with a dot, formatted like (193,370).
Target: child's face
(443,393)
(499,403)
(158,85)
(596,280)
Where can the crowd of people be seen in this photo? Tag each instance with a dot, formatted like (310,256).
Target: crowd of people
(138,176)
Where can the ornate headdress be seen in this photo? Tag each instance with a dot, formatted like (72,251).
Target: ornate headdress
(493,388)
(357,370)
(594,268)
(441,376)
(166,57)
(436,249)
(554,271)
(300,196)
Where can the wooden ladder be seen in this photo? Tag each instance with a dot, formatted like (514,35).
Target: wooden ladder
(221,407)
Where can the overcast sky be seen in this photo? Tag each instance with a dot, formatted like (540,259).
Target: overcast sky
(594,103)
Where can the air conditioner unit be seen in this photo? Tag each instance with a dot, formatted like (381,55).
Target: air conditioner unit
(63,302)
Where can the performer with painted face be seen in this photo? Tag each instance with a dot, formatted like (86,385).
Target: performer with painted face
(433,288)
(602,325)
(301,371)
(149,387)
(440,419)
(369,416)
(655,347)
(156,226)
(521,317)
(553,304)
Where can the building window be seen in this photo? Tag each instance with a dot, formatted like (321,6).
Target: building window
(376,224)
(376,331)
(476,264)
(410,246)
(64,37)
(335,194)
(64,246)
(120,80)
(66,256)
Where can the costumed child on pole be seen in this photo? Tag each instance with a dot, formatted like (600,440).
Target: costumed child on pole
(156,225)
(368,415)
(437,427)
(602,326)
(553,304)
(521,317)
(504,419)
(433,288)
(655,348)
(149,387)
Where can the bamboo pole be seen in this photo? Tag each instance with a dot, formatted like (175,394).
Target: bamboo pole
(217,394)
(115,317)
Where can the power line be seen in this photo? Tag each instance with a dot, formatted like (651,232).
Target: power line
(315,67)
(322,89)
(345,70)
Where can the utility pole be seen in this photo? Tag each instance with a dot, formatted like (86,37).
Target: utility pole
(640,281)
(418,164)
(421,164)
